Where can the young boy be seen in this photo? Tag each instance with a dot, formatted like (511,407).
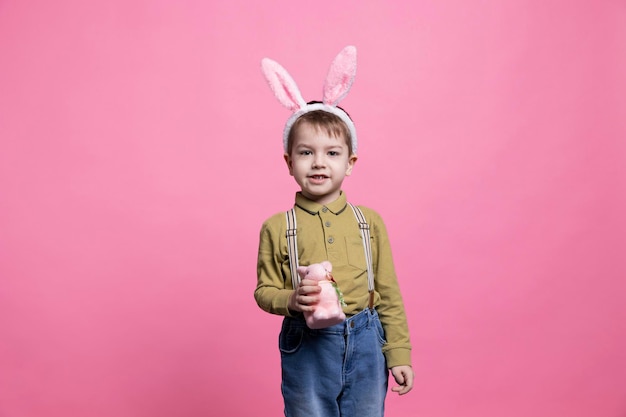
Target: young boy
(340,370)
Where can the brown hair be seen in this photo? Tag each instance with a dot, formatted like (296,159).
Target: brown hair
(329,123)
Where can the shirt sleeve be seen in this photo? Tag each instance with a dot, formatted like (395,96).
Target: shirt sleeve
(272,293)
(390,307)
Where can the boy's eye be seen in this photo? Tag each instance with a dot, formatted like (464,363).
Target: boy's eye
(333,153)
(305,152)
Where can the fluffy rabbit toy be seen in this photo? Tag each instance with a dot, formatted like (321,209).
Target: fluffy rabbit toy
(328,310)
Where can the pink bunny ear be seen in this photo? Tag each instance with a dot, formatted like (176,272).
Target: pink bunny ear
(283,86)
(340,76)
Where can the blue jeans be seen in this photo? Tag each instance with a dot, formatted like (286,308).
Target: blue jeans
(337,371)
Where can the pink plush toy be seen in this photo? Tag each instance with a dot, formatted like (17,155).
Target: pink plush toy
(328,310)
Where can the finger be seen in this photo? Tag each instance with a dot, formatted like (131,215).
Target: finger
(309,289)
(408,384)
(399,377)
(410,378)
(401,389)
(306,301)
(307,309)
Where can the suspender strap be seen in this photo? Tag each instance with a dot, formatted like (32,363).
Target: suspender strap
(292,248)
(367,246)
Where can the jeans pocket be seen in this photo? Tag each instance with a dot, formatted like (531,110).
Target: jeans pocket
(290,338)
(380,332)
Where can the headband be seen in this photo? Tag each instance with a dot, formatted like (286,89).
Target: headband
(338,82)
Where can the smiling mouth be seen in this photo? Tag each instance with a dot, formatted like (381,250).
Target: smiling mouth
(318,177)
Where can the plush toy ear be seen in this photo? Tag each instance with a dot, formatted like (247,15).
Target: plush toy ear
(340,76)
(281,83)
(301,270)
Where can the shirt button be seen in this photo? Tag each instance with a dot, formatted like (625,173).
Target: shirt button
(325,209)
(327,224)
(351,324)
(331,239)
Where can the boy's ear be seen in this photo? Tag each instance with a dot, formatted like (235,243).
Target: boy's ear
(289,163)
(351,161)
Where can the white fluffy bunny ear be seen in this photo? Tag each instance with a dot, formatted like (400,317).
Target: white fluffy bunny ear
(283,86)
(340,76)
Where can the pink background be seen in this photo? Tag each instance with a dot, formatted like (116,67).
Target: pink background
(140,151)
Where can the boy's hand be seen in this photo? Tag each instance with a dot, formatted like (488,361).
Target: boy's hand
(404,377)
(305,296)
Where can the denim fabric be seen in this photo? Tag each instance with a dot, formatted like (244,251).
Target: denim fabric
(337,371)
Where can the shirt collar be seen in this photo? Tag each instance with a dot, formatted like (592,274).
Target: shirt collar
(336,207)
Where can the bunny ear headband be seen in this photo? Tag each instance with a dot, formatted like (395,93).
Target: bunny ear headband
(338,82)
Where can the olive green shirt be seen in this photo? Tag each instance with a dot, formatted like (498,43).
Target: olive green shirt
(332,233)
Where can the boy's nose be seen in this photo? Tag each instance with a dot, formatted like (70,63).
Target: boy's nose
(318,161)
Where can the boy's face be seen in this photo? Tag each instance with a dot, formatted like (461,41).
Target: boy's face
(319,163)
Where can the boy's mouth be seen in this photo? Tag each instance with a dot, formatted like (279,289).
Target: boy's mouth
(318,177)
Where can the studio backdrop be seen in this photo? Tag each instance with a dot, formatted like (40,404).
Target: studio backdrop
(140,152)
